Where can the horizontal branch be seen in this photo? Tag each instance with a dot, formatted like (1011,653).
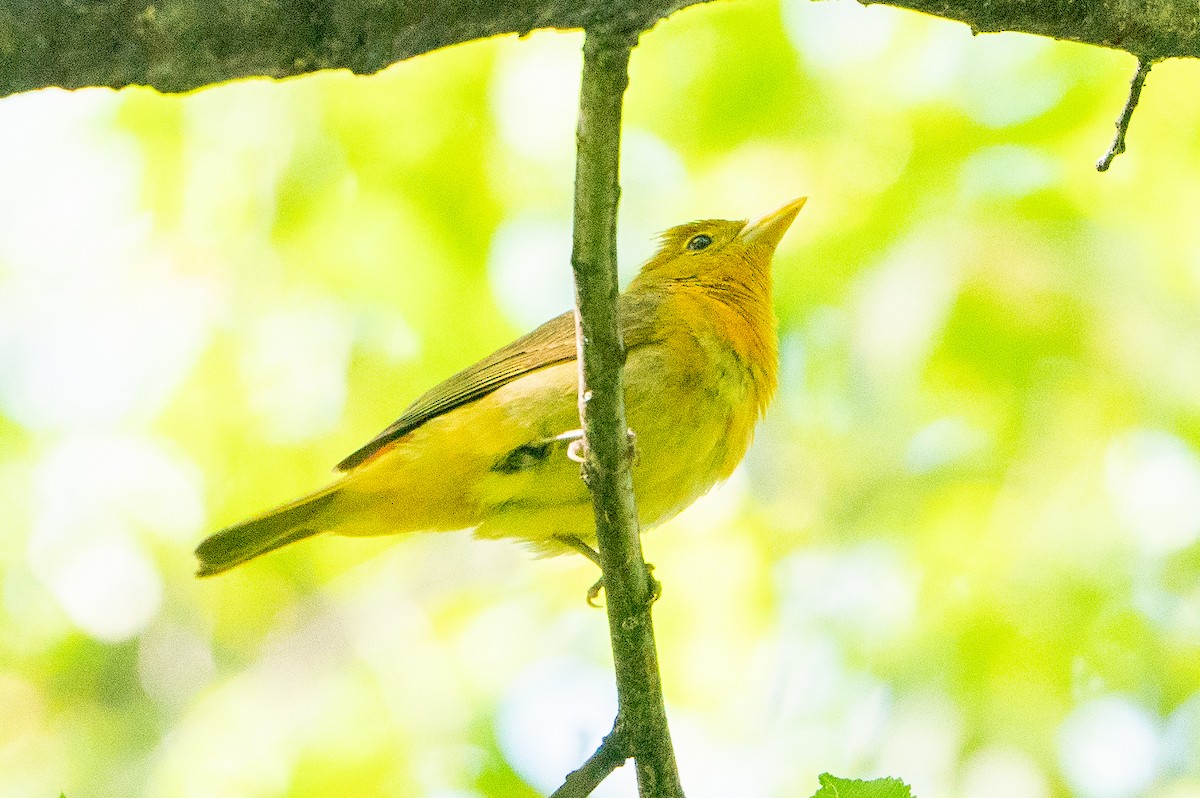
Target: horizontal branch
(179,45)
(1149,29)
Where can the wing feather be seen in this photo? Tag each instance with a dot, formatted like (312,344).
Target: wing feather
(549,344)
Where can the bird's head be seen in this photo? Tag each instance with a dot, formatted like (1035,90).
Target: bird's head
(715,249)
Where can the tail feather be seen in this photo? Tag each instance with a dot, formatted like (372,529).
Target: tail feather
(247,540)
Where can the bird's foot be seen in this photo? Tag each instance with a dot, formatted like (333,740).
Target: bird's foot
(575,544)
(655,589)
(577,448)
(594,592)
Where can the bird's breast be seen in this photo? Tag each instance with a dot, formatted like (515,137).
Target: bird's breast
(693,402)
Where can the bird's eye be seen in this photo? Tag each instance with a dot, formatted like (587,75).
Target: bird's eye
(699,242)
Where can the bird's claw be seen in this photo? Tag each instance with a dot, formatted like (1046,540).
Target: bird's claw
(655,586)
(594,592)
(577,448)
(655,589)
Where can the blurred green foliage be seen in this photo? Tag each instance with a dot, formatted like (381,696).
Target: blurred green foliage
(965,549)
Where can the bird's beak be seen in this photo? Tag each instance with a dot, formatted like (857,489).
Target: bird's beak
(768,230)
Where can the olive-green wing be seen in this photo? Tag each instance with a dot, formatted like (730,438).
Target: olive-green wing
(549,344)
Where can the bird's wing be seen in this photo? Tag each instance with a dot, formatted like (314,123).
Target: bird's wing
(551,343)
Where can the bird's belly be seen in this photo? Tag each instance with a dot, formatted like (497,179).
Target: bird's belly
(496,464)
(691,427)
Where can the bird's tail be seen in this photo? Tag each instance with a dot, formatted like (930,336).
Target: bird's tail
(281,526)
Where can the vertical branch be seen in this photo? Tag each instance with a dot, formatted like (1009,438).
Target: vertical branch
(641,716)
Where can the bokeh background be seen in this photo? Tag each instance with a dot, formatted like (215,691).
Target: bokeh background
(964,550)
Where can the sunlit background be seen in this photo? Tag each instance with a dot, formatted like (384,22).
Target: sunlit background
(964,550)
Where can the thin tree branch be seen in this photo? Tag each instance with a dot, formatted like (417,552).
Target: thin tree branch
(611,755)
(1135,93)
(608,458)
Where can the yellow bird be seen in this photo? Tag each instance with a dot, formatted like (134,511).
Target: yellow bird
(488,448)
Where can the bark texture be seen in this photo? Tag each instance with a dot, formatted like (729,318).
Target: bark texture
(1150,29)
(179,45)
(641,724)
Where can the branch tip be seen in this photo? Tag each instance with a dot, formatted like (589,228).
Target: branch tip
(1135,93)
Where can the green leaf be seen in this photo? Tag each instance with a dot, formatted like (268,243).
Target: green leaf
(833,787)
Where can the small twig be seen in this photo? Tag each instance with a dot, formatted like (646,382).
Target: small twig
(1135,93)
(611,755)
